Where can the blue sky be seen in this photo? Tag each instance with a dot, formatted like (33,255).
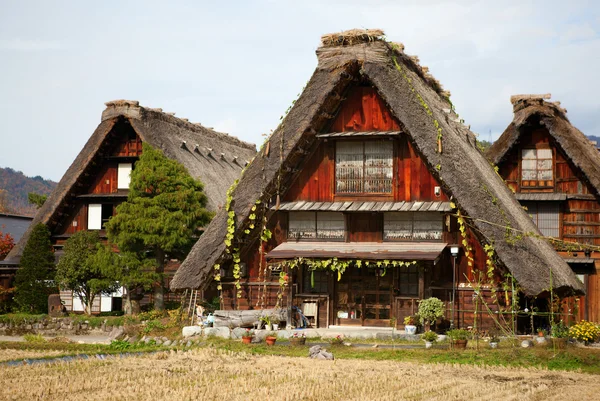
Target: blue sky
(237,66)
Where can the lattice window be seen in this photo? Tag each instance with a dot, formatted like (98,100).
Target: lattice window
(408,277)
(412,226)
(536,167)
(364,167)
(316,225)
(546,216)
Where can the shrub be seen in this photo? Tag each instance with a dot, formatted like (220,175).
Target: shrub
(430,336)
(585,331)
(560,330)
(34,338)
(430,309)
(458,334)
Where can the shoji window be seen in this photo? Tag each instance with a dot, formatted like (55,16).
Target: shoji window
(94,217)
(546,216)
(316,225)
(536,168)
(124,175)
(364,167)
(416,226)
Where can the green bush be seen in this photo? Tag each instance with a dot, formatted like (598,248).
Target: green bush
(430,309)
(458,334)
(430,336)
(34,338)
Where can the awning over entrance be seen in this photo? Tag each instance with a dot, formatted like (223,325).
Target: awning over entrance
(359,250)
(581,265)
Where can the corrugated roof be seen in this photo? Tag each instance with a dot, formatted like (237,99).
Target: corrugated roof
(359,250)
(542,196)
(360,206)
(357,133)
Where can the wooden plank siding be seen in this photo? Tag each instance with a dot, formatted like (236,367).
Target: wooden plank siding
(579,218)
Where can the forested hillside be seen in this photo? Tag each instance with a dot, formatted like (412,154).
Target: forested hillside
(14,187)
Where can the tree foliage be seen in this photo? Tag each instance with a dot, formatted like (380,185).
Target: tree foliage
(33,281)
(164,209)
(78,269)
(17,186)
(7,242)
(36,199)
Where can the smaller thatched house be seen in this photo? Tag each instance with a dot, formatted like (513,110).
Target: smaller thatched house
(370,196)
(554,170)
(98,180)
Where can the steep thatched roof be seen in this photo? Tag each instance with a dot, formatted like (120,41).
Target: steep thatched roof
(417,100)
(534,110)
(215,158)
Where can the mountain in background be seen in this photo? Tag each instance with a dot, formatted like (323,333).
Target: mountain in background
(14,187)
(595,138)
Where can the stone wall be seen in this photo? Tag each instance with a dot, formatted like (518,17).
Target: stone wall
(53,326)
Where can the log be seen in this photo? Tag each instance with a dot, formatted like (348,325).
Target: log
(246,318)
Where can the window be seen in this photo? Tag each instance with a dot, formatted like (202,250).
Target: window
(536,168)
(412,226)
(364,167)
(98,215)
(316,225)
(315,281)
(409,281)
(545,215)
(123,175)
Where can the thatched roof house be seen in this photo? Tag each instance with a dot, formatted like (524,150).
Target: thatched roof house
(217,159)
(534,109)
(421,106)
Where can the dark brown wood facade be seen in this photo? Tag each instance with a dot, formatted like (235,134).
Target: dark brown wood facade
(578,211)
(363,296)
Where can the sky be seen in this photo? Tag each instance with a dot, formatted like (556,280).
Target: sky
(236,66)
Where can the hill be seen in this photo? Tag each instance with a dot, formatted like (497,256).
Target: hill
(595,138)
(14,187)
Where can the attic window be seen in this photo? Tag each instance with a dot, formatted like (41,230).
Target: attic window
(536,168)
(364,167)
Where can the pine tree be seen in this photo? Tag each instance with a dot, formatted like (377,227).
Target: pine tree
(33,281)
(78,269)
(164,209)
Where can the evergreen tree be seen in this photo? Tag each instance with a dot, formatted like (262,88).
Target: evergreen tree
(163,211)
(36,199)
(33,281)
(78,269)
(132,271)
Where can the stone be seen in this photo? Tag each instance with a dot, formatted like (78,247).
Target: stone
(117,333)
(158,341)
(317,352)
(166,343)
(175,343)
(237,333)
(222,332)
(190,331)
(132,340)
(383,336)
(526,343)
(188,344)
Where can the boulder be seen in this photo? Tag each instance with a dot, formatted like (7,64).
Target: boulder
(222,332)
(190,331)
(117,333)
(166,343)
(317,352)
(237,333)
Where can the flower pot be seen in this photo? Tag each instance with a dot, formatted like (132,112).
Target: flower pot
(269,327)
(560,343)
(428,344)
(275,326)
(459,344)
(295,341)
(270,340)
(247,340)
(493,345)
(541,340)
(410,329)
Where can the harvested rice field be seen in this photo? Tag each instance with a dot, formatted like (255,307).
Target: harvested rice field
(211,374)
(12,354)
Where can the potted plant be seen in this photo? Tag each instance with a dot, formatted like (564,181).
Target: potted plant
(542,332)
(247,336)
(430,310)
(267,322)
(429,337)
(459,338)
(584,331)
(494,340)
(410,324)
(560,335)
(270,340)
(298,339)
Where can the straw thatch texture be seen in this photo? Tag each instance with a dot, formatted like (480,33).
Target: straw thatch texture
(580,150)
(185,142)
(465,173)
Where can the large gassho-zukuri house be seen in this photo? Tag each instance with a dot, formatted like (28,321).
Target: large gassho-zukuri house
(554,170)
(98,180)
(353,206)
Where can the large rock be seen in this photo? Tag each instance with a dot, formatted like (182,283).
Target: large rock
(317,352)
(222,332)
(190,331)
(117,333)
(237,333)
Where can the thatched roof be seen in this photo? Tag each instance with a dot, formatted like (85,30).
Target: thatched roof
(534,110)
(215,158)
(464,172)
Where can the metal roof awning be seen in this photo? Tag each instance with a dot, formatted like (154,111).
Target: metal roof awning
(542,196)
(581,265)
(359,250)
(579,261)
(360,206)
(358,133)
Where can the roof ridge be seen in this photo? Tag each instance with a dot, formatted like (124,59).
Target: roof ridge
(133,109)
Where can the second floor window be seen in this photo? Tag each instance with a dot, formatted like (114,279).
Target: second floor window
(546,216)
(316,225)
(536,167)
(364,167)
(412,226)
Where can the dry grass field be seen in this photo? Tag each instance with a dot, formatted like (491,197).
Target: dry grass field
(211,374)
(11,354)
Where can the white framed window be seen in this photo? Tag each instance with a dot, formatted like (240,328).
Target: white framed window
(124,175)
(364,167)
(94,216)
(536,166)
(412,226)
(316,225)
